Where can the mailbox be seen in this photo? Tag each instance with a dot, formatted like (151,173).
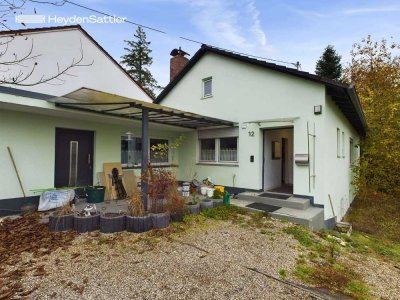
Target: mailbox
(301,159)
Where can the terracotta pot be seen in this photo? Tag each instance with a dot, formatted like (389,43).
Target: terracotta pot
(112,222)
(61,223)
(138,224)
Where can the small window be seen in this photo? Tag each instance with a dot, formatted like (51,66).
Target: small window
(131,150)
(276,150)
(207,87)
(207,150)
(228,149)
(351,152)
(343,149)
(338,142)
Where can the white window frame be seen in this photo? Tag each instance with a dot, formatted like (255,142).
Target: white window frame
(338,138)
(343,145)
(217,160)
(153,164)
(203,95)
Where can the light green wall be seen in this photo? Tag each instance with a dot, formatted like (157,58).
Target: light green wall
(32,141)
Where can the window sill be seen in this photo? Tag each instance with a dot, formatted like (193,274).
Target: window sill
(136,167)
(206,97)
(218,164)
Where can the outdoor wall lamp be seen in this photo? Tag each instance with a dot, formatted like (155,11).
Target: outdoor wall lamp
(317,109)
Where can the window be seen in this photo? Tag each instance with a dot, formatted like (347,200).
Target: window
(351,153)
(131,151)
(207,87)
(338,142)
(207,150)
(219,150)
(228,149)
(343,150)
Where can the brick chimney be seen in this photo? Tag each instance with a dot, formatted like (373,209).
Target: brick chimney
(178,62)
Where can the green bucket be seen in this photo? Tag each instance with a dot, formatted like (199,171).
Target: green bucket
(227,198)
(95,194)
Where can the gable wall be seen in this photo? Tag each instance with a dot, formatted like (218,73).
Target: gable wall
(62,47)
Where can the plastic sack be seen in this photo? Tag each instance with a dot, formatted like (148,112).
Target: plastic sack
(53,199)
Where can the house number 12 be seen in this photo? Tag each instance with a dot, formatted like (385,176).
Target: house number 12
(251,133)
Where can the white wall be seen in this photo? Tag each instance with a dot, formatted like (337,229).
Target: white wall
(250,95)
(31,137)
(62,47)
(338,174)
(273,167)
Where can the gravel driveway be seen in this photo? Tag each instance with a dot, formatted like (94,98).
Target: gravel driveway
(209,262)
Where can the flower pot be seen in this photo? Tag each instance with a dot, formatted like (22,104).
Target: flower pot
(217,202)
(210,192)
(193,209)
(160,220)
(177,217)
(112,222)
(138,224)
(61,223)
(206,204)
(203,190)
(95,194)
(85,224)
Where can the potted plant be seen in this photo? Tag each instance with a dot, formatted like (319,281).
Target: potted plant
(62,219)
(193,207)
(159,183)
(217,198)
(177,204)
(112,222)
(87,220)
(206,204)
(137,220)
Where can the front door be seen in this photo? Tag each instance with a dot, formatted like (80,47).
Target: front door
(74,158)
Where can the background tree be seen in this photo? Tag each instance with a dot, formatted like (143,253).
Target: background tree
(138,61)
(329,64)
(375,71)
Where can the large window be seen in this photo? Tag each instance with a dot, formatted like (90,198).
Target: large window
(131,151)
(219,150)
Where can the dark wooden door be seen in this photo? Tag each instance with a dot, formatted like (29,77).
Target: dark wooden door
(74,158)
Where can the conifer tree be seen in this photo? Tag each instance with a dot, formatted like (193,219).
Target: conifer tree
(138,60)
(329,65)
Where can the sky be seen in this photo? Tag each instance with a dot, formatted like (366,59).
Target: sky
(285,30)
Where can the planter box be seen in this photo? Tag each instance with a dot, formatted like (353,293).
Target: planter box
(206,204)
(177,217)
(218,202)
(193,209)
(61,223)
(86,224)
(160,220)
(112,222)
(138,224)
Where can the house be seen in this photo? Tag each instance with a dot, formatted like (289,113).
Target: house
(297,133)
(257,128)
(57,146)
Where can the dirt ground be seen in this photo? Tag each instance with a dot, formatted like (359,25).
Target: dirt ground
(210,259)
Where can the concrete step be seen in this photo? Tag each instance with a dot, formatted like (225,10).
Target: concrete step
(292,202)
(311,217)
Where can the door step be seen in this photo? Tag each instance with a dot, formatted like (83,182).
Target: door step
(270,199)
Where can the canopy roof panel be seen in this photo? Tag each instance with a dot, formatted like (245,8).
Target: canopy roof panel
(94,101)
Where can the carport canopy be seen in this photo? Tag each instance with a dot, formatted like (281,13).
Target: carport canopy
(94,101)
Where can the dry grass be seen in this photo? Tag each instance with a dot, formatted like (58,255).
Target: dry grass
(377,214)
